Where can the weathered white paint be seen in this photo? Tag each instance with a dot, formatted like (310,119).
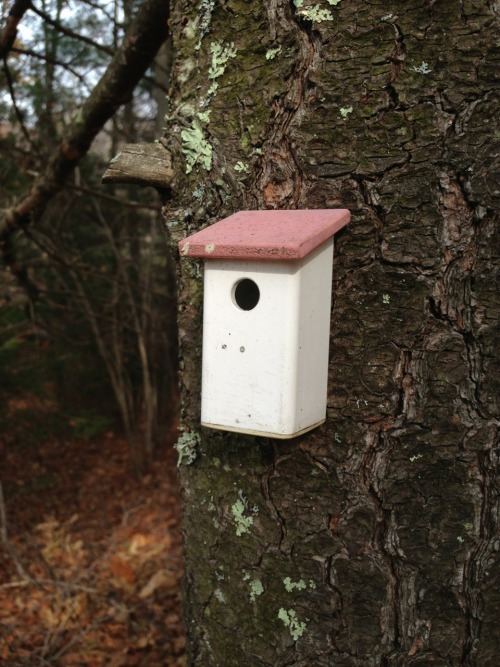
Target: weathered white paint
(276,386)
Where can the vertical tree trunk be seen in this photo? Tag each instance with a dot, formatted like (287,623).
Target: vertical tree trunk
(374,539)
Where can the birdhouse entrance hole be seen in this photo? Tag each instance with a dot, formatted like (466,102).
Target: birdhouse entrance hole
(246,294)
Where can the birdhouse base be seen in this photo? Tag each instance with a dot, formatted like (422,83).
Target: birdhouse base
(264,434)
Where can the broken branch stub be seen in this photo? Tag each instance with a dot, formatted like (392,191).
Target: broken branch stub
(142,164)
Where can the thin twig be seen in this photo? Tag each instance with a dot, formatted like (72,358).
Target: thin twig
(52,636)
(17,110)
(69,33)
(3,517)
(7,544)
(16,584)
(118,200)
(40,56)
(98,7)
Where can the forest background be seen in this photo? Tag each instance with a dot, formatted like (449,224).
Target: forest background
(87,343)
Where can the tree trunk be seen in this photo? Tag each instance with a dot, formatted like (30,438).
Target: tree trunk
(372,540)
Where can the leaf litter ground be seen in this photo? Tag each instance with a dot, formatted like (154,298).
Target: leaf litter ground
(91,558)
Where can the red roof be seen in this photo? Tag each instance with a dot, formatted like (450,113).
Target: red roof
(265,235)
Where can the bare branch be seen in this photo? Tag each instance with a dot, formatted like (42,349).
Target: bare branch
(143,39)
(4,539)
(52,61)
(17,110)
(119,200)
(99,8)
(9,33)
(70,33)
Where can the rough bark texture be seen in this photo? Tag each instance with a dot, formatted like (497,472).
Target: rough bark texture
(373,540)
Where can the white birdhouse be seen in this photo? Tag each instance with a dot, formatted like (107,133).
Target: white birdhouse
(266,319)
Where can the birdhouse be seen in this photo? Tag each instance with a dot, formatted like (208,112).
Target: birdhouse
(266,319)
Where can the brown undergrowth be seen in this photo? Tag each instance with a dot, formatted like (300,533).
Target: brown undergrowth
(90,557)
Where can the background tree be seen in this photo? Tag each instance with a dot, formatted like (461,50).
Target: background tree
(91,260)
(374,539)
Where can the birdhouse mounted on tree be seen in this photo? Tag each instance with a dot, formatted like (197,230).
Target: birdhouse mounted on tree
(266,319)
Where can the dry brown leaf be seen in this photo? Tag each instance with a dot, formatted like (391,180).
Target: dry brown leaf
(143,641)
(179,644)
(48,617)
(162,578)
(121,570)
(138,542)
(117,660)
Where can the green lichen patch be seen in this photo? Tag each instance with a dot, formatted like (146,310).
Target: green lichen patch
(294,585)
(292,622)
(196,148)
(221,54)
(187,448)
(204,116)
(422,69)
(272,53)
(315,14)
(345,111)
(256,589)
(243,523)
(241,167)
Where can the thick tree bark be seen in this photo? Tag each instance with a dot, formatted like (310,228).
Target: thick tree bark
(374,539)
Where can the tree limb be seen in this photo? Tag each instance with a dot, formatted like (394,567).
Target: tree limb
(144,37)
(99,8)
(9,33)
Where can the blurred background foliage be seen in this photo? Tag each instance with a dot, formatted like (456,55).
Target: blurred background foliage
(97,348)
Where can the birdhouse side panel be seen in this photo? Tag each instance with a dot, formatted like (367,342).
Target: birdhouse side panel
(314,336)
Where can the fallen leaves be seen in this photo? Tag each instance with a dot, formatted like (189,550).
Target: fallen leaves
(102,585)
